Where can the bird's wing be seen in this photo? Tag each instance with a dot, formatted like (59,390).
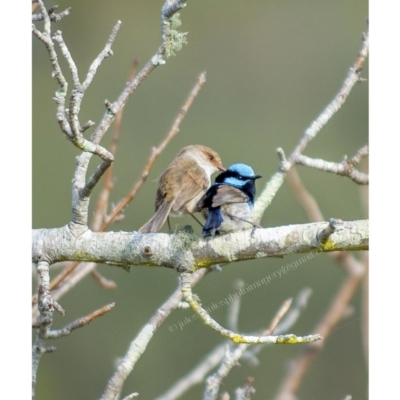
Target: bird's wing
(228,194)
(192,185)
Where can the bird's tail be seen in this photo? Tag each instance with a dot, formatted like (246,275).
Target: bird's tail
(158,219)
(213,222)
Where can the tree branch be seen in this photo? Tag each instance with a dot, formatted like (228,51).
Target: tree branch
(236,337)
(139,344)
(231,358)
(157,151)
(345,168)
(184,250)
(211,360)
(81,204)
(273,185)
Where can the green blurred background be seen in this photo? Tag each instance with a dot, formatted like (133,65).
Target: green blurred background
(271,66)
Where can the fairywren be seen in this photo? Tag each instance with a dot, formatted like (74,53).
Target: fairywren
(228,204)
(182,185)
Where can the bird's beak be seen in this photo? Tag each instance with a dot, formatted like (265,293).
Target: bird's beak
(221,168)
(257,176)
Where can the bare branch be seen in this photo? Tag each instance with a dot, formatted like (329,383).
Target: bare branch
(334,314)
(131,396)
(234,307)
(211,360)
(171,7)
(340,303)
(81,202)
(345,168)
(139,344)
(115,248)
(304,197)
(106,52)
(276,181)
(278,317)
(64,273)
(102,281)
(53,17)
(79,323)
(67,55)
(102,203)
(231,358)
(156,152)
(287,323)
(72,129)
(185,279)
(46,309)
(245,392)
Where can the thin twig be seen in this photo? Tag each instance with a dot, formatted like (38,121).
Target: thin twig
(287,323)
(278,317)
(234,307)
(102,281)
(52,15)
(63,274)
(345,168)
(102,203)
(79,323)
(305,198)
(131,396)
(156,152)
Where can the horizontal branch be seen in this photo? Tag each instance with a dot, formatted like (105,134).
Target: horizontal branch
(184,251)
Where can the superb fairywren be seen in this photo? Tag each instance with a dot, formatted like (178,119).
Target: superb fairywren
(228,204)
(182,185)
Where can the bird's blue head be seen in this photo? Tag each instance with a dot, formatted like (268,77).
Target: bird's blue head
(237,175)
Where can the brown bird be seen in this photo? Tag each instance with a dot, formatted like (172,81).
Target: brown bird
(182,185)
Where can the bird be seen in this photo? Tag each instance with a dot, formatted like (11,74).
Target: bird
(182,185)
(228,204)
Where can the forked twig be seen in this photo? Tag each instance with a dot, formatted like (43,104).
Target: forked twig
(287,164)
(185,279)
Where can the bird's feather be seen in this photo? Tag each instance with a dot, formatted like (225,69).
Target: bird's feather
(192,185)
(214,221)
(227,194)
(158,219)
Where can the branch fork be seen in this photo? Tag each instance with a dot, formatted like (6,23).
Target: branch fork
(186,287)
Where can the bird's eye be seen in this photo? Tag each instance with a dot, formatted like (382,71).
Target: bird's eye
(211,158)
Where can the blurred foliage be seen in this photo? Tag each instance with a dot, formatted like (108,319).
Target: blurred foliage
(271,69)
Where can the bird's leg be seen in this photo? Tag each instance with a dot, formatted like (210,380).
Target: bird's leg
(169,226)
(195,219)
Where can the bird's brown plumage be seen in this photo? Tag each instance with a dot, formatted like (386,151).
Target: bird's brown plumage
(182,184)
